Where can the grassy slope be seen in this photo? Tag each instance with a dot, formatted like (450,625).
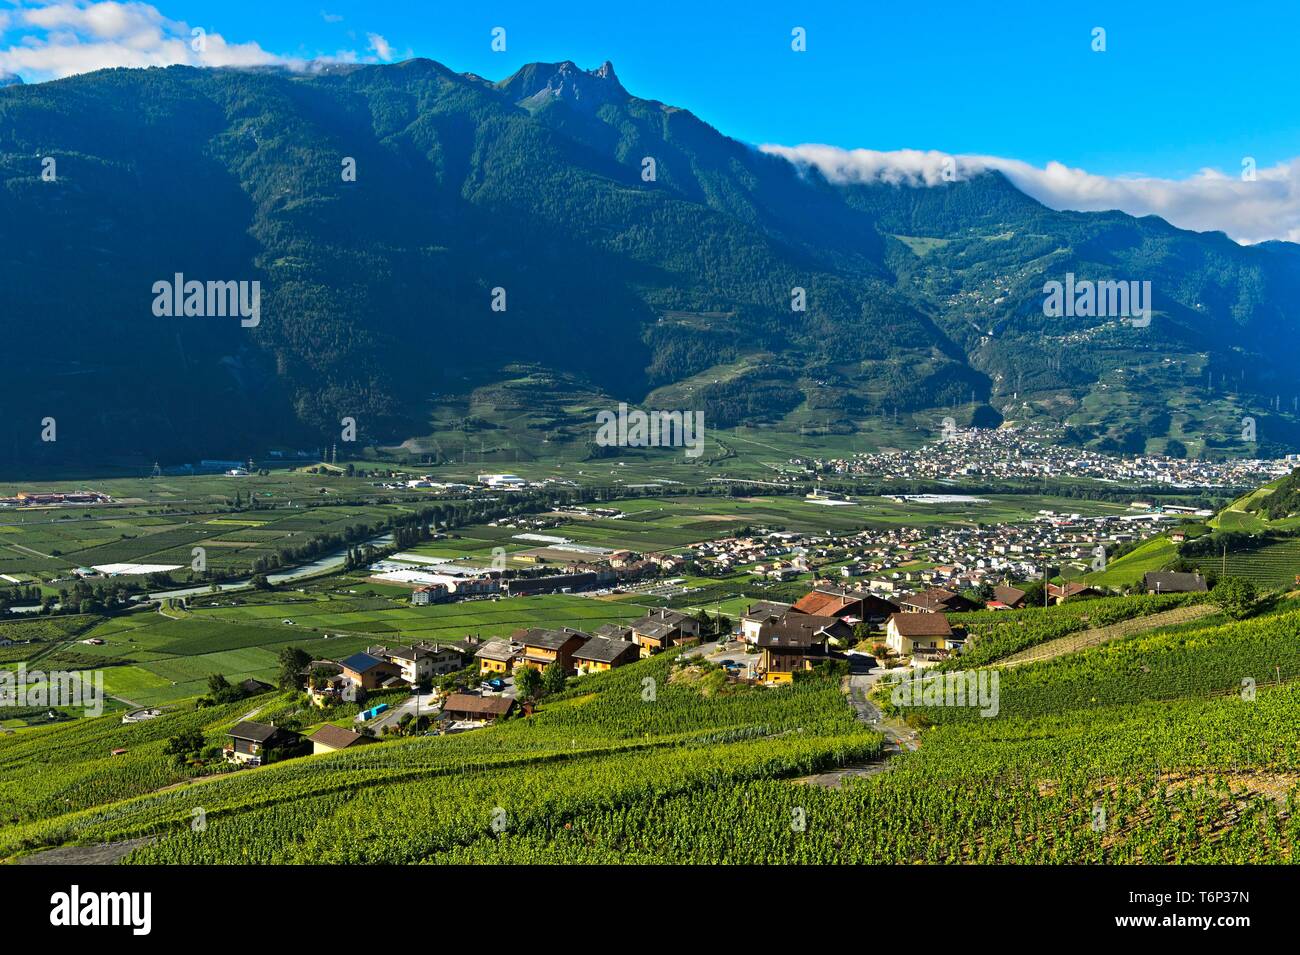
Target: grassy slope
(1148,556)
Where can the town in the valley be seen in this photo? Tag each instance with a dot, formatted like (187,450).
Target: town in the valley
(765,602)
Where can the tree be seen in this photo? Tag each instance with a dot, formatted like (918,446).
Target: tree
(293,660)
(1235,596)
(528,683)
(554,679)
(260,582)
(180,746)
(218,684)
(221,689)
(861,632)
(706,622)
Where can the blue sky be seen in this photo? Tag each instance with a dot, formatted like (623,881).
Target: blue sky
(1180,87)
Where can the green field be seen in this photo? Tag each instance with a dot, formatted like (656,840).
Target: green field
(151,659)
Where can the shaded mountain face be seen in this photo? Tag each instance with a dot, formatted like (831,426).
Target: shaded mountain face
(417,234)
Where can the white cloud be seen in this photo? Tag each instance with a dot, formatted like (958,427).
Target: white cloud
(380,46)
(331,17)
(1267,208)
(76,37)
(65,37)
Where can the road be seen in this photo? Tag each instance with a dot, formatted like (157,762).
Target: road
(415,704)
(715,651)
(862,677)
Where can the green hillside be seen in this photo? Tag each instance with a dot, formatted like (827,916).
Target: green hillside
(1128,569)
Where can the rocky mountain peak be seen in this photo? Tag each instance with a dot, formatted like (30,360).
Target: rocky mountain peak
(538,83)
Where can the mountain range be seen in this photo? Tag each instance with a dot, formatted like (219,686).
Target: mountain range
(640,255)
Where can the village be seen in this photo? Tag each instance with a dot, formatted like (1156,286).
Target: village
(472,683)
(901,559)
(1000,454)
(886,560)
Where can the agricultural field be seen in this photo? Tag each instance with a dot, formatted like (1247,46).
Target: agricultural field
(236,520)
(149,658)
(51,547)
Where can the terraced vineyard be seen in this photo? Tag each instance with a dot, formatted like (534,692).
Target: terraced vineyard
(607,742)
(1160,666)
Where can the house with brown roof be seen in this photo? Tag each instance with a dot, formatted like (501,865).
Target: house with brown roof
(544,647)
(330,739)
(1072,590)
(1013,598)
(848,605)
(937,600)
(478,709)
(604,653)
(906,633)
(793,643)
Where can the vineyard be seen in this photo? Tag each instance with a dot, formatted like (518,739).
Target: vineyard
(627,734)
(1271,566)
(1095,636)
(993,637)
(1159,666)
(1176,744)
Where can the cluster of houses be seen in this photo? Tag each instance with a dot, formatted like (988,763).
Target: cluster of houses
(900,559)
(576,651)
(382,668)
(794,637)
(790,638)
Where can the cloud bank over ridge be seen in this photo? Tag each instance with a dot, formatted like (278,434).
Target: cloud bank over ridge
(1267,207)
